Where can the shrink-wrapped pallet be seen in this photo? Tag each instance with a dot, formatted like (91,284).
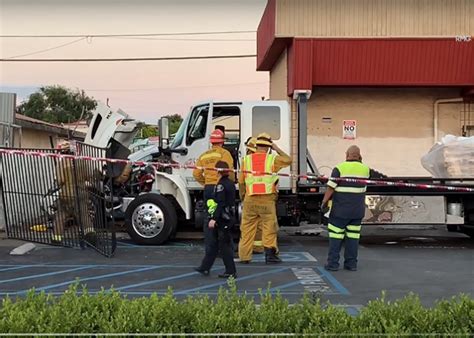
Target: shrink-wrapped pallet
(452,157)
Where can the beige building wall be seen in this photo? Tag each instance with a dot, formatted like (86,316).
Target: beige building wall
(374,18)
(278,91)
(394,126)
(35,139)
(279,78)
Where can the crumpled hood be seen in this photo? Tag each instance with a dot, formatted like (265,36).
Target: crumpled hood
(112,130)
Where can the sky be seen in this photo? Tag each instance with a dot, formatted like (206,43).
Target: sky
(146,89)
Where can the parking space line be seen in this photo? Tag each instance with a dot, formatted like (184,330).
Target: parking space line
(287,285)
(42,275)
(16,268)
(273,271)
(156,281)
(52,286)
(333,281)
(353,311)
(163,292)
(309,256)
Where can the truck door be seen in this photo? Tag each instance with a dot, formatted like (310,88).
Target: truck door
(272,117)
(191,140)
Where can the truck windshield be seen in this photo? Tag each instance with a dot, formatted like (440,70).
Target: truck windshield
(178,138)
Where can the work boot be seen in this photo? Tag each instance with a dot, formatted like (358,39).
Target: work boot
(202,271)
(271,256)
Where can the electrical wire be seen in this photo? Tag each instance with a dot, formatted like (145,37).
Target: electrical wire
(176,39)
(47,49)
(125,35)
(171,58)
(177,87)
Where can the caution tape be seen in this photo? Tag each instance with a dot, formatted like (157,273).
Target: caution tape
(192,166)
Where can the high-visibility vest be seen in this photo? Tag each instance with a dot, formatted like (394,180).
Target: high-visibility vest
(352,169)
(259,183)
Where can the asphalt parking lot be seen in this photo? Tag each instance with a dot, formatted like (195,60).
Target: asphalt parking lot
(432,263)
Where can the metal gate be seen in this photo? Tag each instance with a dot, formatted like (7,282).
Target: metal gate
(58,201)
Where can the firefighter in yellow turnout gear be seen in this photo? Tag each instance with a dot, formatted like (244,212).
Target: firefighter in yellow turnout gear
(206,174)
(251,145)
(67,208)
(260,195)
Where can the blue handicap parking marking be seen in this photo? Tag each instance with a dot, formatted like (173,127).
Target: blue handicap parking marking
(297,256)
(285,279)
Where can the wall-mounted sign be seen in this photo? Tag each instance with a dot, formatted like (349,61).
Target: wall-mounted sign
(349,128)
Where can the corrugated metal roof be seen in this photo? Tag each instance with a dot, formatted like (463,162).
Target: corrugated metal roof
(390,62)
(29,122)
(379,62)
(266,34)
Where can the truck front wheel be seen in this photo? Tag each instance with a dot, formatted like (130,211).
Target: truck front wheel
(468,231)
(150,219)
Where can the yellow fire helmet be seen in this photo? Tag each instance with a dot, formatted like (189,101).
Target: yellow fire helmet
(264,139)
(251,144)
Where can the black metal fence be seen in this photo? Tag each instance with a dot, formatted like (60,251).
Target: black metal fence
(58,201)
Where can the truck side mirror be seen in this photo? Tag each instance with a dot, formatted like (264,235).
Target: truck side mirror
(164,132)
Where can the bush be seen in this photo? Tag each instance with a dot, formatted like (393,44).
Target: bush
(111,312)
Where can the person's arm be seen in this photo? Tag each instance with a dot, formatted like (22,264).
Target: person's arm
(242,181)
(220,200)
(198,173)
(327,196)
(282,160)
(331,187)
(63,172)
(227,157)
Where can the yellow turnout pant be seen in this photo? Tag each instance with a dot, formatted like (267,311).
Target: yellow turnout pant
(259,209)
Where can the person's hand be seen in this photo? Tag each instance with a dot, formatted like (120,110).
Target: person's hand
(212,224)
(324,208)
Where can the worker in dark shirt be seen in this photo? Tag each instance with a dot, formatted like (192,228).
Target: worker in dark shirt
(347,211)
(221,220)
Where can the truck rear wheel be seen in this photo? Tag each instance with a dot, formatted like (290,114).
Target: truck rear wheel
(150,219)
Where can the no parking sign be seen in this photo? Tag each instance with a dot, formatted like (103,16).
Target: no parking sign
(349,128)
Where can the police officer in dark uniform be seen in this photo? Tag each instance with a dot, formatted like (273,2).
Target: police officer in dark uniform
(221,211)
(347,211)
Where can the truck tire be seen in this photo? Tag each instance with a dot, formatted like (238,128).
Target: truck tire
(468,231)
(150,219)
(452,227)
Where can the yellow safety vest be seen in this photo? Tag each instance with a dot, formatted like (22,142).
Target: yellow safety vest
(259,183)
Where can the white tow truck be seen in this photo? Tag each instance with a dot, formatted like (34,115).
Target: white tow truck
(156,201)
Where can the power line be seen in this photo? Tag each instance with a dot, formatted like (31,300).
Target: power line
(124,35)
(47,49)
(171,58)
(176,39)
(176,87)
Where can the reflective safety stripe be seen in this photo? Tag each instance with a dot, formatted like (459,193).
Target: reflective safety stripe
(336,236)
(354,190)
(260,184)
(257,243)
(352,235)
(335,228)
(211,155)
(354,228)
(332,184)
